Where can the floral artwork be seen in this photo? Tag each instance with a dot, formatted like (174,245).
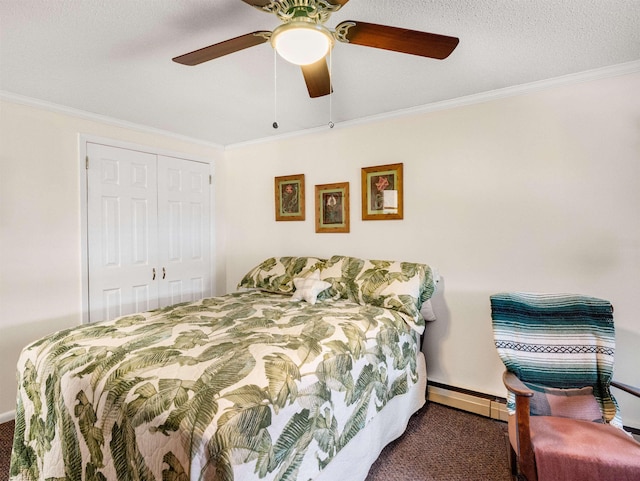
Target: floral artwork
(290,197)
(332,207)
(375,181)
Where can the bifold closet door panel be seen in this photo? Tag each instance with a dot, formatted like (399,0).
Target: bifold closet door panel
(122,231)
(184,239)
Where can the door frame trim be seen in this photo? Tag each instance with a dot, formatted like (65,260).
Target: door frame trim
(83,140)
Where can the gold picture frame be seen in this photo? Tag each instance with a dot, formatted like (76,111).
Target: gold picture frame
(376,204)
(332,207)
(289,190)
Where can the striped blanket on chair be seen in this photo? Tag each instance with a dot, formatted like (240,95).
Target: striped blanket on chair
(557,340)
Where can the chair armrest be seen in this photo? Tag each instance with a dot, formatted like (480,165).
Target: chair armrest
(515,385)
(524,449)
(626,388)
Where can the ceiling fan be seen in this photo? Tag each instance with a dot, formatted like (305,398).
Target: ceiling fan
(303,39)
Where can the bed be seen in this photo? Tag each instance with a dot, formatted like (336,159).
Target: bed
(305,373)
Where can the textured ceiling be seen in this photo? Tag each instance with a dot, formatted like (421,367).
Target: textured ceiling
(113,58)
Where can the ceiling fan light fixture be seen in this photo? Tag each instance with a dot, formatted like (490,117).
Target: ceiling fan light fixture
(302,43)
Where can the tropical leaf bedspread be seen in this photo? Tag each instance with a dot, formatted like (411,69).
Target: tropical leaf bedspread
(248,386)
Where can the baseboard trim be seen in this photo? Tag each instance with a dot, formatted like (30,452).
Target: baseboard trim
(471,401)
(479,403)
(8,416)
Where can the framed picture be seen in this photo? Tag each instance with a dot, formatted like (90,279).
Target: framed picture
(290,197)
(382,194)
(332,207)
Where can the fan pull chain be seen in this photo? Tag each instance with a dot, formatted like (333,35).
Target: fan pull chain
(331,124)
(275,89)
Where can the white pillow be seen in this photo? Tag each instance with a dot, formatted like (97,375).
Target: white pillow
(427,311)
(308,288)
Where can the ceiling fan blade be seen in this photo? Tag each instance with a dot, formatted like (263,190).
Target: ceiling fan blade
(342,3)
(223,48)
(318,79)
(397,39)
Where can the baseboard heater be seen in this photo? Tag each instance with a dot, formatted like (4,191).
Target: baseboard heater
(479,403)
(474,402)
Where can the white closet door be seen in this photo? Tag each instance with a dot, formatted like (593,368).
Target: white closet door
(184,230)
(122,232)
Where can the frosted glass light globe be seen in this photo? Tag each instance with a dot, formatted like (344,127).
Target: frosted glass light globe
(301,43)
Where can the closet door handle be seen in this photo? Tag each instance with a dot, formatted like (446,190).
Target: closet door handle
(164,273)
(154,274)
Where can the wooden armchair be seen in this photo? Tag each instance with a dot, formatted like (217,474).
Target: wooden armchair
(558,350)
(522,449)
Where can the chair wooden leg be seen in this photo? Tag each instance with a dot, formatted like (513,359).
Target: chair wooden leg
(511,456)
(513,461)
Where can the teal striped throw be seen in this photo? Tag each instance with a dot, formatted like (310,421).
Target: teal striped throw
(558,340)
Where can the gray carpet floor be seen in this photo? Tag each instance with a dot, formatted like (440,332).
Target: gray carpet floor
(440,444)
(445,444)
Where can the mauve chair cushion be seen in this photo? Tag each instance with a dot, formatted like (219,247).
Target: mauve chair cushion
(569,449)
(577,403)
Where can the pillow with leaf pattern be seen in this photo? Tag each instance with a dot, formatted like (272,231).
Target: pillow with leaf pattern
(276,274)
(340,272)
(402,286)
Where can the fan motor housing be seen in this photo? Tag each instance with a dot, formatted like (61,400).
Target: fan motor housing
(317,11)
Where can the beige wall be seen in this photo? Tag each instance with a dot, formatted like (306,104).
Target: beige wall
(40,236)
(537,192)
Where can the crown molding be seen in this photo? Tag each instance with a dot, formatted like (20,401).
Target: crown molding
(580,77)
(62,109)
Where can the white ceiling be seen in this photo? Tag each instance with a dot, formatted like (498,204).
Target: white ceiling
(113,58)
